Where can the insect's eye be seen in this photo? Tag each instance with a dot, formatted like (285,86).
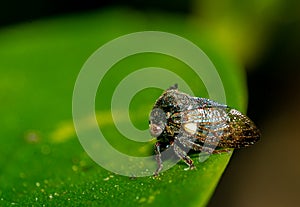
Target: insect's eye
(157,121)
(155,130)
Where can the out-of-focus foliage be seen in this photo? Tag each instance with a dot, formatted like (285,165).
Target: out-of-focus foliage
(42,162)
(241,28)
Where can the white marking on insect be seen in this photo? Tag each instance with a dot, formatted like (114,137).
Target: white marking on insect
(191,128)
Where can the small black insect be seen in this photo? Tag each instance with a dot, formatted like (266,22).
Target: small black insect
(184,122)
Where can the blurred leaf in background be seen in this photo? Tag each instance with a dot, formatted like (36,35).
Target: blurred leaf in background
(46,165)
(240,28)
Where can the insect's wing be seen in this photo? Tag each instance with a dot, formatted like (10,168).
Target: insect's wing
(205,125)
(217,124)
(240,132)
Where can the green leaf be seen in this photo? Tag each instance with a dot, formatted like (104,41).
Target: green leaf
(42,161)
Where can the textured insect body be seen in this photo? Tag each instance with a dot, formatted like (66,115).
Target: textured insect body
(185,122)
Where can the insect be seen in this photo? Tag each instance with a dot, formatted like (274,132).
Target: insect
(183,122)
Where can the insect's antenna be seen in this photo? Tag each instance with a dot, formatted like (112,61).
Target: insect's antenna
(173,87)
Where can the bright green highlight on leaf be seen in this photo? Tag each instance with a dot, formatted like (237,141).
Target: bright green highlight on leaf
(42,161)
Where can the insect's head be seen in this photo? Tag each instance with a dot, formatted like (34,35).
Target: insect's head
(157,122)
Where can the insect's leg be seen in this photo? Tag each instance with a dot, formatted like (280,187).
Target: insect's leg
(158,159)
(182,155)
(187,142)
